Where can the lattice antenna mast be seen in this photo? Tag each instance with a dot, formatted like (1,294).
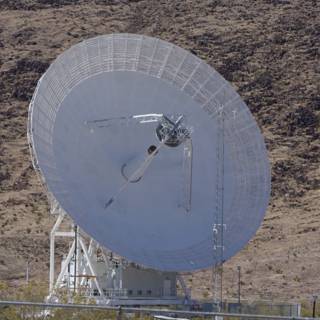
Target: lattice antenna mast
(218,222)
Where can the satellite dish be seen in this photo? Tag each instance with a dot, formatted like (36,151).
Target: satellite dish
(136,137)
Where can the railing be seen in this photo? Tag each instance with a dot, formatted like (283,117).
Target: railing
(147,311)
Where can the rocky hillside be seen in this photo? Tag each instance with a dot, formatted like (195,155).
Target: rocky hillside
(268,49)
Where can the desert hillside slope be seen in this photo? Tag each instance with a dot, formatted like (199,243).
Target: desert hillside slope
(268,49)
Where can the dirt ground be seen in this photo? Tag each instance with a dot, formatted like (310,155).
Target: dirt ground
(268,49)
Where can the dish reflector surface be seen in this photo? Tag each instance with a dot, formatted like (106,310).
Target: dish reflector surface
(95,116)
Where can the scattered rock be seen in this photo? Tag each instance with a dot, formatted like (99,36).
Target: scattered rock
(23,35)
(303,118)
(264,80)
(31,65)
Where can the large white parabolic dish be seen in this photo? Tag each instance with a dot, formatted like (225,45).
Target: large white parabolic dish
(112,78)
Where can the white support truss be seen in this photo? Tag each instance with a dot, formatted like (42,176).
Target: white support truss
(186,290)
(83,271)
(92,272)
